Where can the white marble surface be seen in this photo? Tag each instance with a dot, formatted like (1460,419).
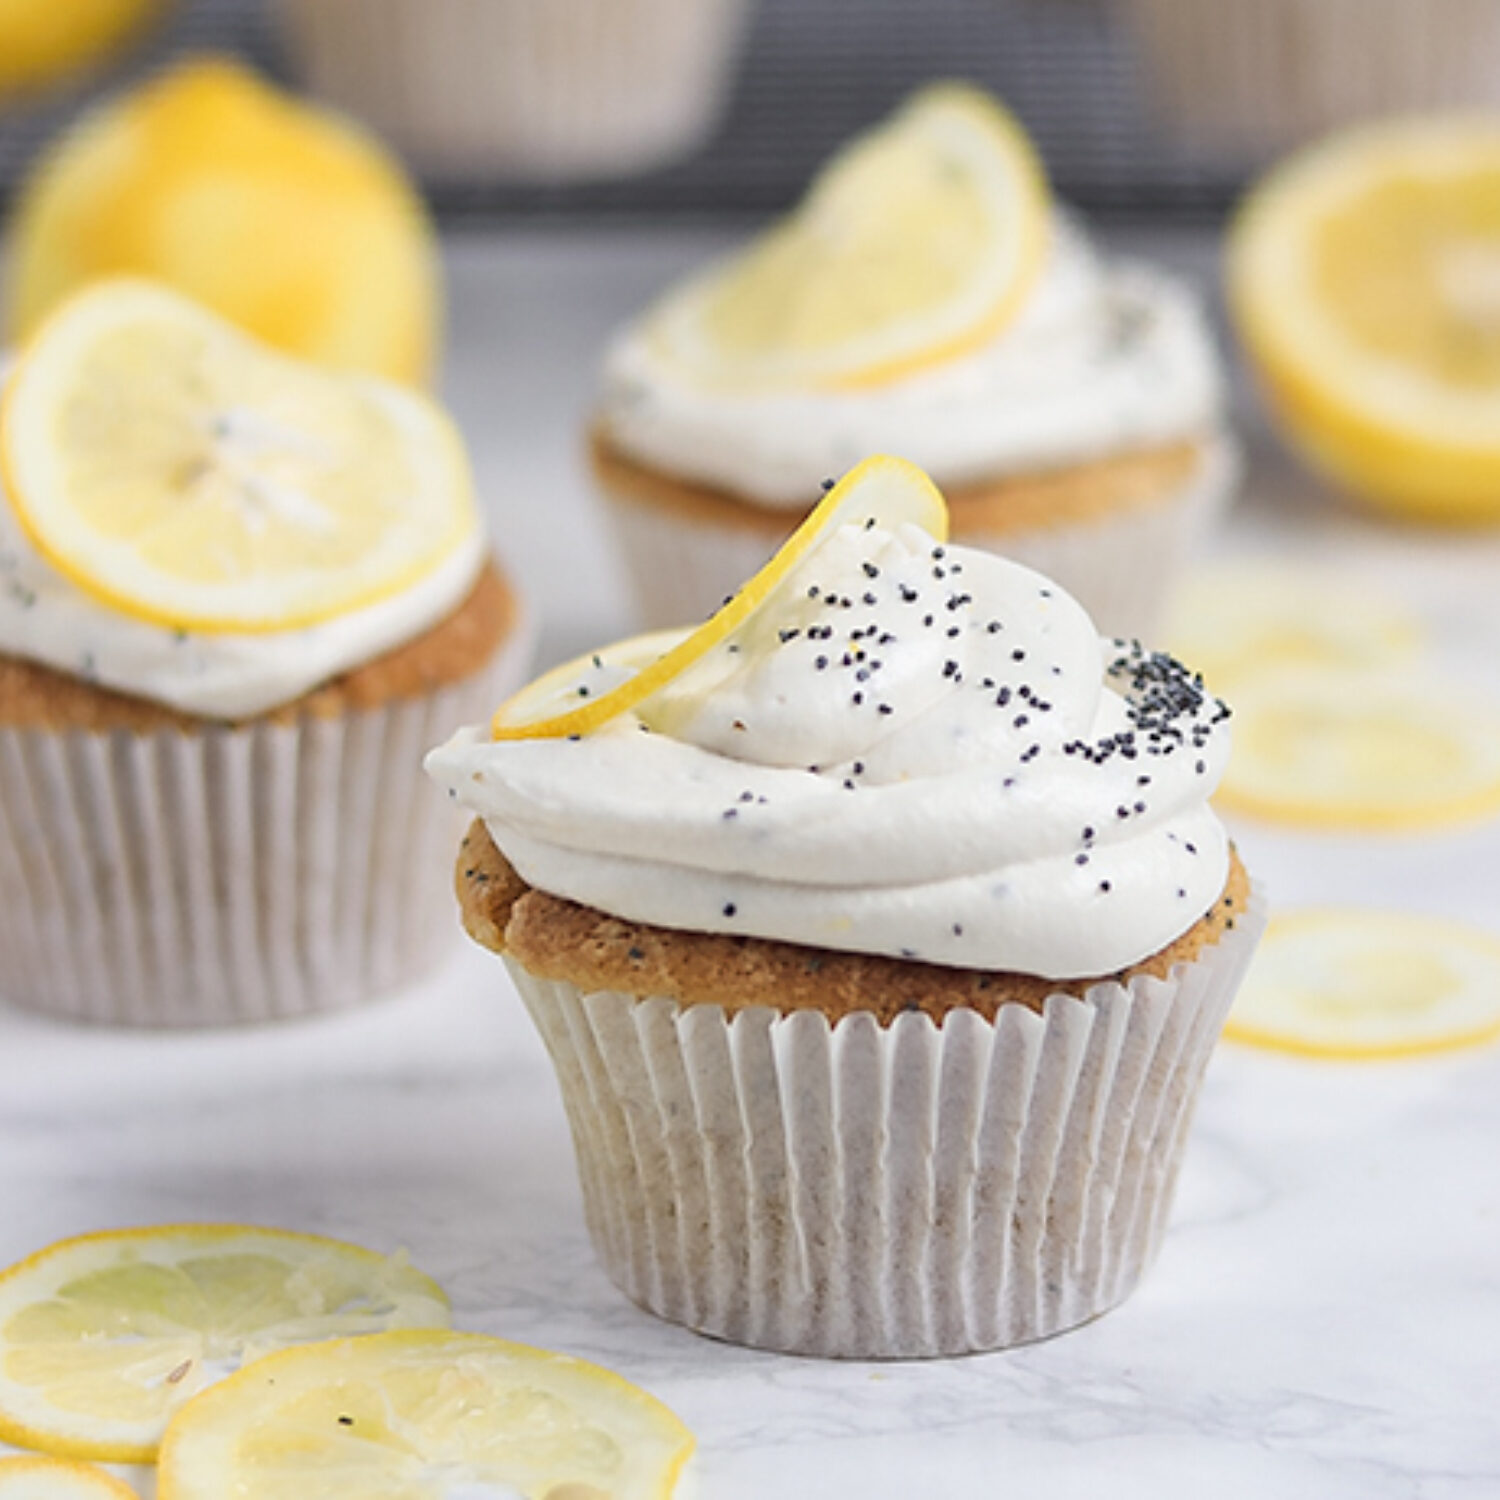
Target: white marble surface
(1324,1320)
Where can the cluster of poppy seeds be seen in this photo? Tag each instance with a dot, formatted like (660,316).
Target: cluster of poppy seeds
(1167,707)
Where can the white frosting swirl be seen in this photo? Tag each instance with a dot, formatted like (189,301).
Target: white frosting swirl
(45,617)
(1102,358)
(911,751)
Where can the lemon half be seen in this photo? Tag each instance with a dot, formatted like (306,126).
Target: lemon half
(287,219)
(423,1416)
(103,1337)
(177,470)
(1364,276)
(917,241)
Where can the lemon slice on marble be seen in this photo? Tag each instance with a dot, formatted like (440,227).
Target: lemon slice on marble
(917,241)
(1347,983)
(882,491)
(1237,619)
(1364,276)
(58,1479)
(186,475)
(103,1337)
(1369,751)
(423,1416)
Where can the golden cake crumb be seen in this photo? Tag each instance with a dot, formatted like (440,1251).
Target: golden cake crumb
(33,696)
(560,940)
(1118,485)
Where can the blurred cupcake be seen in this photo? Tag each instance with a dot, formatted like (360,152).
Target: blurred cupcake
(543,90)
(926,297)
(237,597)
(879,941)
(1249,78)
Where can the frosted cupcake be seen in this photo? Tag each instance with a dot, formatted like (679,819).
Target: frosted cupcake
(201,824)
(927,298)
(880,949)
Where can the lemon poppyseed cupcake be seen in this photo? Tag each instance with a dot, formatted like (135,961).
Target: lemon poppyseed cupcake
(927,297)
(237,598)
(879,931)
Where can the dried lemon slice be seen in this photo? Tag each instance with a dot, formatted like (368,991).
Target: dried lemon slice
(917,241)
(171,466)
(1235,619)
(1364,275)
(58,1479)
(887,492)
(423,1416)
(103,1337)
(1369,984)
(1369,751)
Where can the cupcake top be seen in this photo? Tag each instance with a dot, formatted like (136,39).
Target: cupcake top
(927,296)
(193,520)
(908,749)
(1102,356)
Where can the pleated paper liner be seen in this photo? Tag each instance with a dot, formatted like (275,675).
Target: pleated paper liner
(864,1192)
(240,874)
(1121,567)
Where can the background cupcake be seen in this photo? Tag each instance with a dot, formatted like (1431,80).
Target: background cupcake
(518,90)
(880,1034)
(211,710)
(1248,78)
(927,297)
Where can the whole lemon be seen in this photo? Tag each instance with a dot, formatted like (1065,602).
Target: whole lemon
(42,41)
(284,218)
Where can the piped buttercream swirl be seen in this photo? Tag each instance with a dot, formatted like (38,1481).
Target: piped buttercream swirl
(1104,357)
(911,750)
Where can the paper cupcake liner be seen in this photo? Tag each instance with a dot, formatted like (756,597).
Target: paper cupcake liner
(864,1192)
(519,89)
(1120,567)
(1256,76)
(239,874)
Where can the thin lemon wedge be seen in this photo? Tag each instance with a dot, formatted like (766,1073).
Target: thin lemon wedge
(1354,984)
(1236,620)
(42,42)
(287,219)
(104,1336)
(58,1479)
(882,491)
(917,241)
(184,474)
(1364,277)
(423,1416)
(1377,751)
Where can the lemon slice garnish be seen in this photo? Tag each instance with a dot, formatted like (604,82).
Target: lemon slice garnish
(103,1337)
(1237,619)
(423,1414)
(58,1479)
(882,491)
(1373,751)
(919,240)
(1369,984)
(172,467)
(1364,275)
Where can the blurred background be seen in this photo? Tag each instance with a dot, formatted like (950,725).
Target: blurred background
(1137,111)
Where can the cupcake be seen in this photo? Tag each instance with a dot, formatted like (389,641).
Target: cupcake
(929,297)
(880,944)
(199,824)
(516,90)
(1249,78)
